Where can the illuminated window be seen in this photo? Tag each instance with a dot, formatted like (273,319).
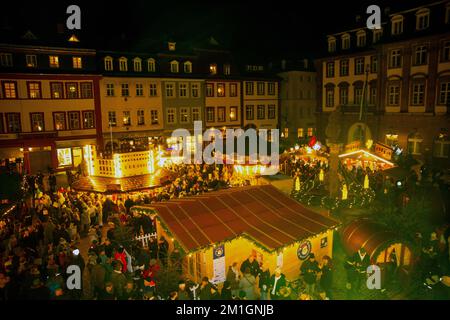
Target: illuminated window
(286,132)
(172,46)
(174,66)
(9,89)
(153,90)
(151,65)
(76,62)
(170,90)
(300,133)
(233,113)
(6,60)
(123,64)
(37,121)
(184,115)
(108,64)
(71,90)
(188,67)
(127,118)
(171,115)
(441,147)
(34,90)
(221,89)
(272,111)
(125,90)
(183,89)
(74,120)
(110,90)
(213,68)
(57,90)
(13,122)
(54,61)
(210,114)
(195,114)
(86,90)
(88,120)
(194,90)
(139,90)
(64,157)
(137,64)
(140,117)
(31,60)
(310,132)
(59,121)
(154,116)
(249,112)
(415,144)
(112,119)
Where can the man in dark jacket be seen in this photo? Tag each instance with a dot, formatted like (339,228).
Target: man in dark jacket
(309,270)
(252,264)
(205,289)
(182,293)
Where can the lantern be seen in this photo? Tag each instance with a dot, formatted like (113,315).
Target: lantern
(366,182)
(344,192)
(321,175)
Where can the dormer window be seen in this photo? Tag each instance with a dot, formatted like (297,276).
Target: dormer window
(361,38)
(213,68)
(108,63)
(331,44)
(137,64)
(226,69)
(174,66)
(377,33)
(151,65)
(188,67)
(422,19)
(171,46)
(123,64)
(397,25)
(345,41)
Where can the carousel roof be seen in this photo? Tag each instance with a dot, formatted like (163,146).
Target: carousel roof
(365,155)
(262,213)
(364,233)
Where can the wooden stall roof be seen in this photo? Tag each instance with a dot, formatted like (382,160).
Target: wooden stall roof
(262,213)
(364,233)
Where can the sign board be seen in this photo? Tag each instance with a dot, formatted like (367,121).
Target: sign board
(304,249)
(383,151)
(353,146)
(219,275)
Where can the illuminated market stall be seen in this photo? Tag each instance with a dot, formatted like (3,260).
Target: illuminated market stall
(219,228)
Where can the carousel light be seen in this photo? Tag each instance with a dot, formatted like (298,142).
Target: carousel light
(344,192)
(321,175)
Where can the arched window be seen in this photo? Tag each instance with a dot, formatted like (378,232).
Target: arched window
(174,66)
(331,44)
(422,19)
(123,64)
(188,67)
(108,63)
(361,38)
(397,24)
(137,64)
(151,65)
(441,148)
(345,41)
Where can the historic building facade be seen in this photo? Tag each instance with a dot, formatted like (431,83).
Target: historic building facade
(49,106)
(392,84)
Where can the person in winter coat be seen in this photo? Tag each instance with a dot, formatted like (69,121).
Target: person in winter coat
(205,289)
(277,281)
(98,277)
(264,282)
(118,280)
(182,292)
(326,277)
(252,264)
(247,284)
(309,270)
(226,291)
(121,256)
(233,278)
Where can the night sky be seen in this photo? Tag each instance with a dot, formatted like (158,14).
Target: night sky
(275,28)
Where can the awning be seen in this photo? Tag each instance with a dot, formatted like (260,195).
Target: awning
(261,213)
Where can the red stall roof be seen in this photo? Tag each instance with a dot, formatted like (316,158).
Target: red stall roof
(262,213)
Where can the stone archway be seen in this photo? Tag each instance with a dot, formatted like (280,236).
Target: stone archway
(357,130)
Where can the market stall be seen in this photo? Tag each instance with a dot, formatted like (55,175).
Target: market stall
(219,228)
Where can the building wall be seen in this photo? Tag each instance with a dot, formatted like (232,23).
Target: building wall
(297,105)
(265,99)
(229,102)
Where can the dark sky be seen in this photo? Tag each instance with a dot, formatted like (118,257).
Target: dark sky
(260,27)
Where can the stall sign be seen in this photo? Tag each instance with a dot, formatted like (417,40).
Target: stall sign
(353,146)
(383,151)
(304,249)
(219,264)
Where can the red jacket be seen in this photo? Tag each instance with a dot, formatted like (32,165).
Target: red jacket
(122,257)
